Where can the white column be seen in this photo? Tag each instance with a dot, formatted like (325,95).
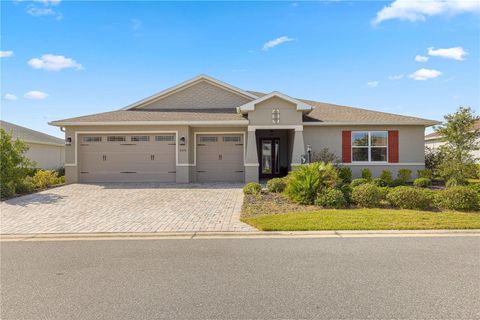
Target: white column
(251,157)
(298,148)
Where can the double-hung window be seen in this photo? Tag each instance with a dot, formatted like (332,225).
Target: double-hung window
(369,146)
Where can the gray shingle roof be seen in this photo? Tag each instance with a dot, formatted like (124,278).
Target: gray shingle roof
(323,113)
(29,135)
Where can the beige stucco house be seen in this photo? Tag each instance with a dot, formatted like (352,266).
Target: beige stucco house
(207,130)
(48,152)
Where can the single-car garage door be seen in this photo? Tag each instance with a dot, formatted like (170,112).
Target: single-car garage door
(220,157)
(127,157)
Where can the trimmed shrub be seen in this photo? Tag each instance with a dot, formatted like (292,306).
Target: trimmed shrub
(379,182)
(345,174)
(475,187)
(409,198)
(452,182)
(386,176)
(458,198)
(25,186)
(331,198)
(405,175)
(367,174)
(252,188)
(46,178)
(397,182)
(276,185)
(426,173)
(7,189)
(422,182)
(384,191)
(347,192)
(357,182)
(367,195)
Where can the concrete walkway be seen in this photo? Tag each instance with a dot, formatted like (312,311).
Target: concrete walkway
(125,207)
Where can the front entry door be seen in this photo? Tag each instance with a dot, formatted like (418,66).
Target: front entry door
(269,151)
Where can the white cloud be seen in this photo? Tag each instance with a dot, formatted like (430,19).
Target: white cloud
(419,10)
(395,77)
(11,97)
(420,58)
(37,12)
(49,2)
(36,95)
(424,74)
(456,53)
(275,42)
(373,84)
(52,62)
(6,54)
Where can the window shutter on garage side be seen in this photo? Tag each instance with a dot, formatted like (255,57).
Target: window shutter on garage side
(346,146)
(393,146)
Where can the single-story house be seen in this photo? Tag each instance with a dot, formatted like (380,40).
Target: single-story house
(206,130)
(48,152)
(434,140)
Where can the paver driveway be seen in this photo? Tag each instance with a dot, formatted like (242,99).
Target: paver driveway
(125,207)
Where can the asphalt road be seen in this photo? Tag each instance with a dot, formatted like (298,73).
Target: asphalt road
(242,278)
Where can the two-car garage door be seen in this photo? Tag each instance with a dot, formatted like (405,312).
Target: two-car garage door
(127,157)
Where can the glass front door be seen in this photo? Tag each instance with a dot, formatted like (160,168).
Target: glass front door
(269,165)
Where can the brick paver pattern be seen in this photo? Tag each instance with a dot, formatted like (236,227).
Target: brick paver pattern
(125,207)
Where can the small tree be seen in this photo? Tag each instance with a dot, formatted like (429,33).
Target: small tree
(326,156)
(14,165)
(461,138)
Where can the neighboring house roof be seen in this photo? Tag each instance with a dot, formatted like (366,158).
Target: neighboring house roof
(436,135)
(29,135)
(321,114)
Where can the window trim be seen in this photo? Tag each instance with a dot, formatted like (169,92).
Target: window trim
(93,139)
(369,146)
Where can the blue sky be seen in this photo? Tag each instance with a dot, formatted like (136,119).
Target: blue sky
(62,58)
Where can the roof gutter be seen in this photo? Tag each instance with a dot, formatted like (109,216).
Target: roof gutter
(326,124)
(146,123)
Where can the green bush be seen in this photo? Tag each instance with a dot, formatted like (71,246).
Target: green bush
(386,176)
(404,174)
(331,198)
(25,186)
(384,191)
(347,192)
(426,173)
(276,185)
(409,198)
(307,180)
(7,190)
(422,182)
(397,182)
(357,182)
(252,188)
(453,182)
(345,174)
(458,198)
(367,195)
(379,182)
(366,174)
(46,178)
(474,187)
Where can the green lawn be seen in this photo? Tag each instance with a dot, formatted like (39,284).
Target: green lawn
(365,219)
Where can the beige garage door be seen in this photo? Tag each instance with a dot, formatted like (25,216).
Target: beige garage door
(127,157)
(220,157)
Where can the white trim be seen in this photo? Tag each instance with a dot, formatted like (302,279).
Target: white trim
(296,164)
(252,164)
(165,123)
(186,84)
(383,164)
(273,127)
(77,133)
(45,143)
(186,165)
(326,124)
(368,147)
(250,106)
(218,133)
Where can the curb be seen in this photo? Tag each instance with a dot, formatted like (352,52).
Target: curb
(240,235)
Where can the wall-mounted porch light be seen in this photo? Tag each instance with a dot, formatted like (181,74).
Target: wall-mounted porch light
(68,141)
(182,141)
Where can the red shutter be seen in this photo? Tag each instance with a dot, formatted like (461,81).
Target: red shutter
(346,146)
(393,146)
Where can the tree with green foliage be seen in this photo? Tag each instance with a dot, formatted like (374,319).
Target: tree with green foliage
(14,165)
(461,138)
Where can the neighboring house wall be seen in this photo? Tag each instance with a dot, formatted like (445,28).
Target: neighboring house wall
(436,143)
(199,96)
(46,156)
(411,146)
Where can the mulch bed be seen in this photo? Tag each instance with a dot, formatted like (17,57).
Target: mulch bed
(271,203)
